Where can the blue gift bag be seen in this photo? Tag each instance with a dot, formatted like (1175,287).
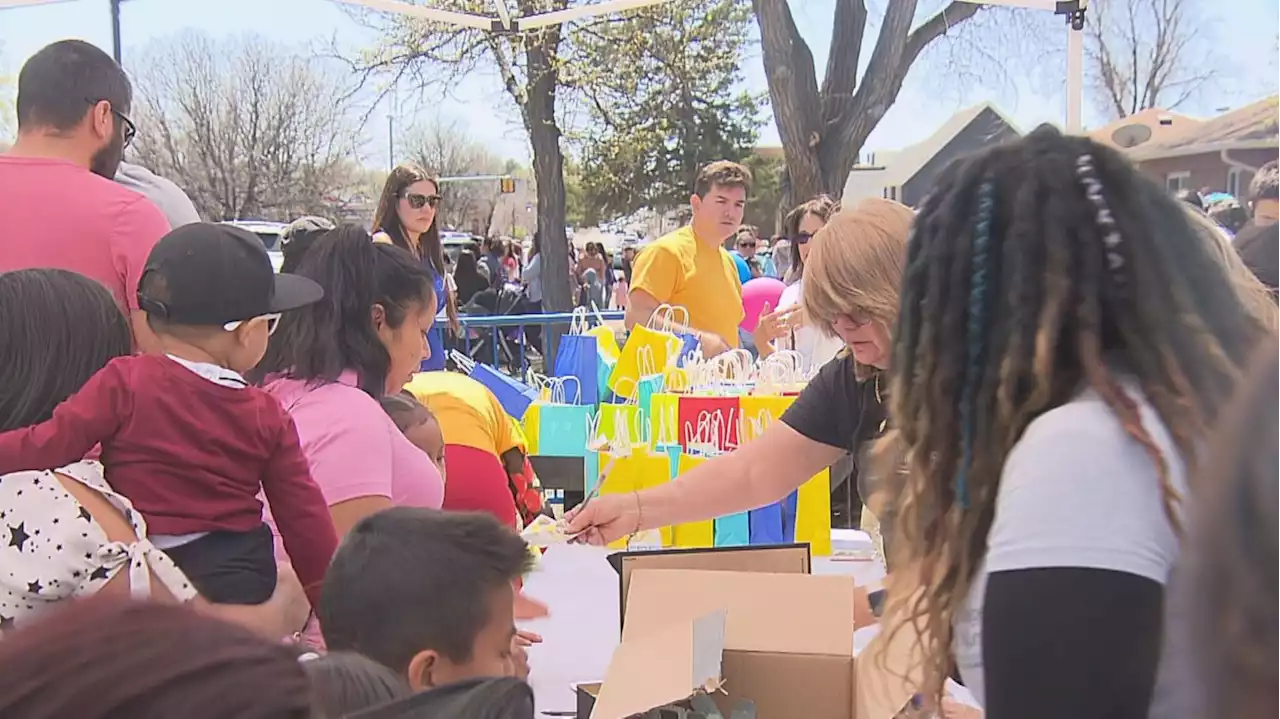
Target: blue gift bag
(579,358)
(766,524)
(563,429)
(789,516)
(514,395)
(733,530)
(688,345)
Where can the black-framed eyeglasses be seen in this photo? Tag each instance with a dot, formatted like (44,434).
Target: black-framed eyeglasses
(747,245)
(130,129)
(417,201)
(801,238)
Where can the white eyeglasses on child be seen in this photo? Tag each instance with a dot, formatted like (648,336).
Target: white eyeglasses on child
(272,320)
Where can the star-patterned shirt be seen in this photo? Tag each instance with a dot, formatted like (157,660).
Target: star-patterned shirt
(52,549)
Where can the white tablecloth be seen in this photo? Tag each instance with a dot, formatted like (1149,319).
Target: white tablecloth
(581,632)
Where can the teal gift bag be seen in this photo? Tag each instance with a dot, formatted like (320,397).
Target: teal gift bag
(564,429)
(733,530)
(648,387)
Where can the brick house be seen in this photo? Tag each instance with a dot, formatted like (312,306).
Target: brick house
(1219,155)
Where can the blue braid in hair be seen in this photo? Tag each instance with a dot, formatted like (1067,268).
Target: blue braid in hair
(977,321)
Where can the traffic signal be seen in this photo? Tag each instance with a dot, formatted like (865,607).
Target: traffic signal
(507,185)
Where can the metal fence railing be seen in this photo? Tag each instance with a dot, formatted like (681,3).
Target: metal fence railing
(514,343)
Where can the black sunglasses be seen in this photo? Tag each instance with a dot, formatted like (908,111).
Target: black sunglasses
(417,201)
(801,238)
(130,129)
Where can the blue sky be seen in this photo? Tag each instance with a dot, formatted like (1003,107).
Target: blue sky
(1029,95)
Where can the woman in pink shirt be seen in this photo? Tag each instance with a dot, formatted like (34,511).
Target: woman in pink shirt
(329,363)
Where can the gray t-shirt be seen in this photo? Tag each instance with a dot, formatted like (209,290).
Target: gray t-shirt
(163,193)
(1076,491)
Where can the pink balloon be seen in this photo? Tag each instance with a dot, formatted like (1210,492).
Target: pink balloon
(754,294)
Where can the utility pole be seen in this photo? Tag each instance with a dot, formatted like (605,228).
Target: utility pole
(115,30)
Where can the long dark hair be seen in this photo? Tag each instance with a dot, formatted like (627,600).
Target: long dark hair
(822,207)
(387,220)
(58,329)
(1232,581)
(467,265)
(1034,269)
(319,342)
(106,657)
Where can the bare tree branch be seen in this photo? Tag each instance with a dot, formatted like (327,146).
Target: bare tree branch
(246,128)
(1149,53)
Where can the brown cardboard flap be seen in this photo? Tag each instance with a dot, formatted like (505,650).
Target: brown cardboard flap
(665,665)
(791,613)
(776,559)
(888,672)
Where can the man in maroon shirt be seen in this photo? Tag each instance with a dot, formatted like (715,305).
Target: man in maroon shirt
(59,206)
(184,437)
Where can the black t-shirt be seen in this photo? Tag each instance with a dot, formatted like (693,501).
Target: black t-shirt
(836,409)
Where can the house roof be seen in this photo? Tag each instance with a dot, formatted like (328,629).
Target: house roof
(894,168)
(1252,126)
(1162,123)
(905,163)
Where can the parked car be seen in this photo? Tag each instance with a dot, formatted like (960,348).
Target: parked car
(269,233)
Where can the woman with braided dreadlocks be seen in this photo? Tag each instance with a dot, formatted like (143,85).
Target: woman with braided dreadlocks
(1065,338)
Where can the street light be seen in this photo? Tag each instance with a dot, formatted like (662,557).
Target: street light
(1074,11)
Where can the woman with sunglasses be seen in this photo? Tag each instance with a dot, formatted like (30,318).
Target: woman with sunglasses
(781,326)
(406,217)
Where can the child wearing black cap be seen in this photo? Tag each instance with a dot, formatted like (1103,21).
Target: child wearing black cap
(184,436)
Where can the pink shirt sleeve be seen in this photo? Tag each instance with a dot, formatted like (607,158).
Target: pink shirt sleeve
(138,227)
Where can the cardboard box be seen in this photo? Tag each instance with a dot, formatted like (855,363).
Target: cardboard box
(788,645)
(678,659)
(773,559)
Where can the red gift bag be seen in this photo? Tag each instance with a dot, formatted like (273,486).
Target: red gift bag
(708,419)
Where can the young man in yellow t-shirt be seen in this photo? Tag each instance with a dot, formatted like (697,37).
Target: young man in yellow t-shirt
(689,268)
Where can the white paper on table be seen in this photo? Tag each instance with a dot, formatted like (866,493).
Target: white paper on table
(580,588)
(544,532)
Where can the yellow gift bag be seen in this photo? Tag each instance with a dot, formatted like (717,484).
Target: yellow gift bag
(813,514)
(632,471)
(758,412)
(693,534)
(649,349)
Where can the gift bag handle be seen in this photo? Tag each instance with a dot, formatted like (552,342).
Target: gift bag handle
(579,321)
(465,363)
(662,319)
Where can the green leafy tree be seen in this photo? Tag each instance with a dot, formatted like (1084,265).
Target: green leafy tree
(764,207)
(663,90)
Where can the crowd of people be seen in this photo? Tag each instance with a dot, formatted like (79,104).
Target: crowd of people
(1050,390)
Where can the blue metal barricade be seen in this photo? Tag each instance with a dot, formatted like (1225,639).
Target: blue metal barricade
(502,341)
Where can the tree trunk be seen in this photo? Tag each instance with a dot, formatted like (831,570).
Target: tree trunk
(548,169)
(823,132)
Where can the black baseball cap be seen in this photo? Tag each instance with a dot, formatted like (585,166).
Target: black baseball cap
(211,274)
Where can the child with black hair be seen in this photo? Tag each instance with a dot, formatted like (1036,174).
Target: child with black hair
(345,682)
(429,594)
(417,424)
(184,436)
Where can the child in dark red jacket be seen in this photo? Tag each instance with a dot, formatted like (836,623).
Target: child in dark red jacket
(184,437)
